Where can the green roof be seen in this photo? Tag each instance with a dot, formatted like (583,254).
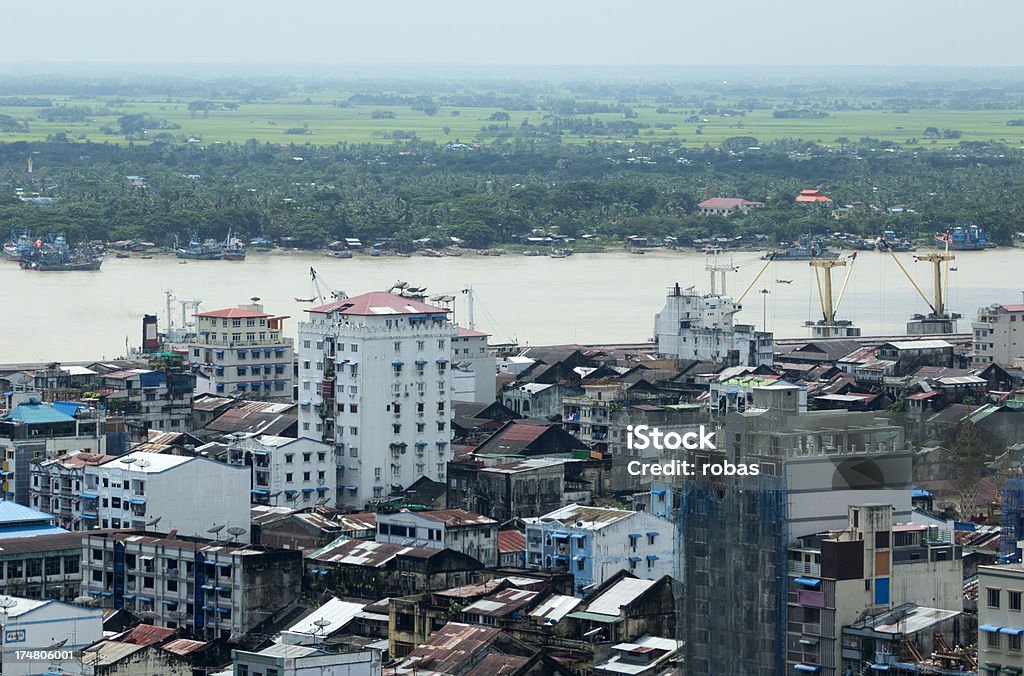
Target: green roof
(36,413)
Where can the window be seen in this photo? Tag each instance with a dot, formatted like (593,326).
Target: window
(53,566)
(320,475)
(420,427)
(440,427)
(1014,600)
(305,344)
(579,543)
(580,564)
(305,426)
(306,457)
(354,431)
(440,344)
(1014,645)
(288,476)
(397,428)
(305,365)
(420,345)
(993,639)
(353,348)
(321,456)
(650,539)
(288,457)
(398,346)
(992,596)
(305,476)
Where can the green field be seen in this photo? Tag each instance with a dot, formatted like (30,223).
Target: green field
(329,124)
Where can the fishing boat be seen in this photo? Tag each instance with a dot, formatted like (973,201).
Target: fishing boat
(233,249)
(340,254)
(804,249)
(560,253)
(206,250)
(960,238)
(56,255)
(20,245)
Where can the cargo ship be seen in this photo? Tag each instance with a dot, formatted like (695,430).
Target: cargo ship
(960,238)
(55,255)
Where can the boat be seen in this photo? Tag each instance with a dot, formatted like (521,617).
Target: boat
(20,245)
(889,240)
(206,250)
(638,252)
(560,253)
(804,249)
(121,254)
(533,252)
(960,238)
(56,255)
(233,249)
(146,257)
(340,254)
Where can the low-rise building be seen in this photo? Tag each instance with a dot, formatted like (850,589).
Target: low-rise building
(625,608)
(474,368)
(34,626)
(157,399)
(373,570)
(32,430)
(42,566)
(213,589)
(906,639)
(1000,618)
(302,470)
(190,495)
(299,660)
(456,529)
(593,543)
(645,656)
(57,484)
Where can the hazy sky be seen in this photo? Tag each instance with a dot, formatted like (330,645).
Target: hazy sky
(520,32)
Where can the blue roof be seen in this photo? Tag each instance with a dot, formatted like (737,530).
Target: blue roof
(920,493)
(12,514)
(30,531)
(37,413)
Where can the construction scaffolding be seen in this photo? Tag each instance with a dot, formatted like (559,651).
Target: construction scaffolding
(731,561)
(1011,520)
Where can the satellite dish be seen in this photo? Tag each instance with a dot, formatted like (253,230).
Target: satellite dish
(127,460)
(6,603)
(292,497)
(153,522)
(143,463)
(255,299)
(58,644)
(275,494)
(216,529)
(236,531)
(85,600)
(322,501)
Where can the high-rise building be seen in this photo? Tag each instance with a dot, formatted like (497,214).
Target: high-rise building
(998,335)
(375,381)
(242,351)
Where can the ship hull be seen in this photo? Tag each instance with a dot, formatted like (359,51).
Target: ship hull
(62,267)
(188,255)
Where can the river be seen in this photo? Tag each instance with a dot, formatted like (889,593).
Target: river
(587,298)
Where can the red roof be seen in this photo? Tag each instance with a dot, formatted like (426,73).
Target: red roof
(726,203)
(511,541)
(1014,308)
(234,313)
(470,333)
(378,303)
(920,396)
(812,196)
(146,634)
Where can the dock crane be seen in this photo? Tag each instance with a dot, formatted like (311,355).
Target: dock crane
(939,320)
(828,326)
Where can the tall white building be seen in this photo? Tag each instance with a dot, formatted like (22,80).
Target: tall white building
(188,494)
(998,335)
(242,351)
(701,326)
(375,380)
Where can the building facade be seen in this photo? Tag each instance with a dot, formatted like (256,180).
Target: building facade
(188,494)
(455,529)
(1000,618)
(998,335)
(213,589)
(57,484)
(593,543)
(376,383)
(474,368)
(301,472)
(243,351)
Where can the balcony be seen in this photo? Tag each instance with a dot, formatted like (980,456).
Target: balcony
(802,568)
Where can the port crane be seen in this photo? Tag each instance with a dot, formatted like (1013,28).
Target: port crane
(939,320)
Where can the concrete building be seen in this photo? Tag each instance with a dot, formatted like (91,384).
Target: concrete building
(867,568)
(646,656)
(456,529)
(57,484)
(525,487)
(243,351)
(301,471)
(188,494)
(148,399)
(32,430)
(32,625)
(593,543)
(998,335)
(474,368)
(701,327)
(376,383)
(1000,618)
(297,660)
(42,566)
(213,589)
